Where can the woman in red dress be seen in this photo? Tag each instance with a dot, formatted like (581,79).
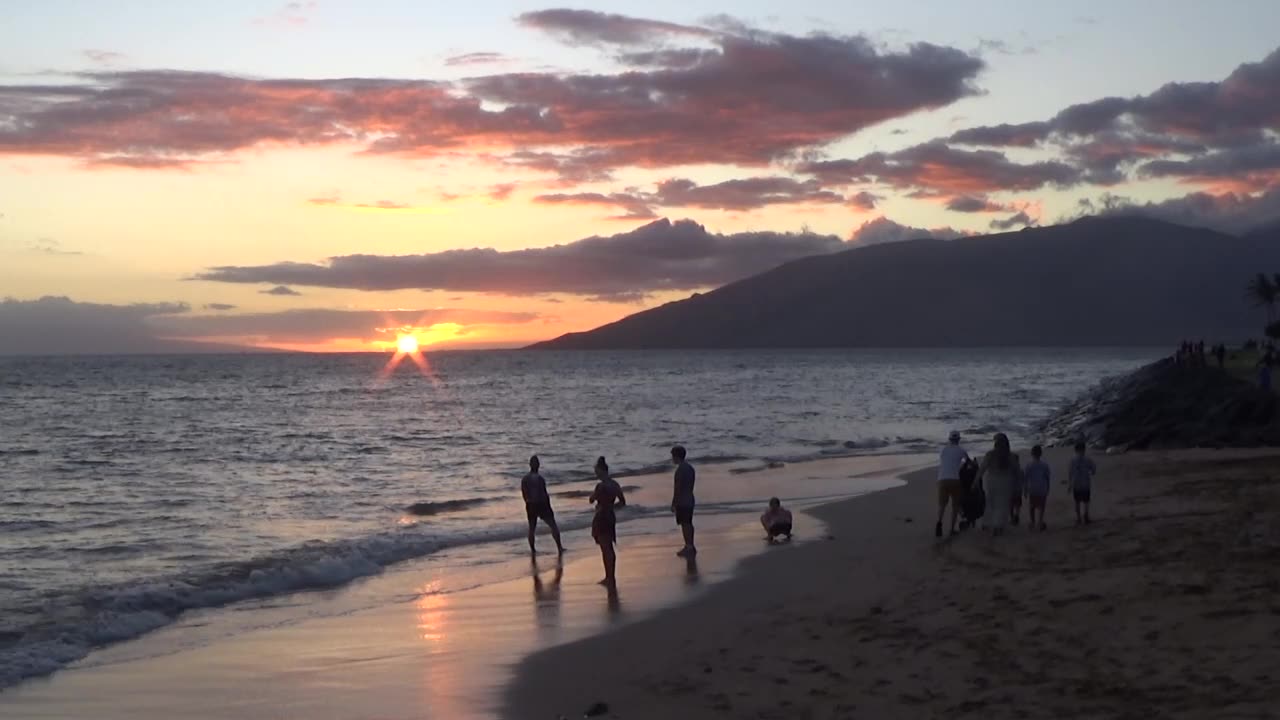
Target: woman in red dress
(604,526)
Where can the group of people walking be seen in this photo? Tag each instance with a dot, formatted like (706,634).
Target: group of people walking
(999,483)
(608,497)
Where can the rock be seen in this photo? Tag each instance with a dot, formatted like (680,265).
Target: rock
(596,710)
(1163,405)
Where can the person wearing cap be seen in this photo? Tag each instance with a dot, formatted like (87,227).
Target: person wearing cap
(950,460)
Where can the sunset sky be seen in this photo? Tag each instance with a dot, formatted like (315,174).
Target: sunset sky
(328,175)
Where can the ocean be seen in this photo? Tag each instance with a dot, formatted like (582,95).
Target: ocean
(135,489)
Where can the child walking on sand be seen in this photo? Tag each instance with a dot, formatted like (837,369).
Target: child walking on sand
(1080,479)
(1037,480)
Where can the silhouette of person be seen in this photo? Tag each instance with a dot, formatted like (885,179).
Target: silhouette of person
(604,526)
(682,501)
(537,504)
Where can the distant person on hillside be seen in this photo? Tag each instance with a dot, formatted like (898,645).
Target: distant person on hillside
(1201,358)
(604,526)
(682,501)
(537,504)
(1264,369)
(999,474)
(1036,479)
(1220,352)
(950,489)
(776,520)
(1080,480)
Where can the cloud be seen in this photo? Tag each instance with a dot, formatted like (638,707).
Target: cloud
(1220,134)
(502,191)
(219,306)
(1228,212)
(743,193)
(588,27)
(318,325)
(291,14)
(883,230)
(937,168)
(477,58)
(104,57)
(55,325)
(864,200)
(336,202)
(632,207)
(659,256)
(1018,219)
(281,290)
(58,325)
(739,194)
(49,246)
(974,204)
(745,100)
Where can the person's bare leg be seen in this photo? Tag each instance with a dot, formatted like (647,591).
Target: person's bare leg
(555,535)
(687,530)
(610,564)
(533,525)
(955,513)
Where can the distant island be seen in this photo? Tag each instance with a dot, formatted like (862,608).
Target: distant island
(1111,281)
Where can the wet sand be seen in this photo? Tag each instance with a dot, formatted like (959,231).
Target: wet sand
(1166,606)
(436,638)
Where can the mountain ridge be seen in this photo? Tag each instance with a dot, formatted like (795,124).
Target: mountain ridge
(1095,281)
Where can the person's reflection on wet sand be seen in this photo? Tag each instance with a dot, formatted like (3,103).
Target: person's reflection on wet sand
(691,570)
(615,603)
(546,596)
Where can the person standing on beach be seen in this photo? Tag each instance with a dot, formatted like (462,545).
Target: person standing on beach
(1037,479)
(1080,479)
(950,489)
(537,504)
(1001,474)
(682,499)
(604,526)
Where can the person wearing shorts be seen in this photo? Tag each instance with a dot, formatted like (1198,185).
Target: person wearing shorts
(537,504)
(682,501)
(1037,480)
(950,489)
(1080,477)
(607,496)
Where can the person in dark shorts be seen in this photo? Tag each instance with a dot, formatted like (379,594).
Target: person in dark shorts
(604,526)
(776,520)
(1080,478)
(682,499)
(537,504)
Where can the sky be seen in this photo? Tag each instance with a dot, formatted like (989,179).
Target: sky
(330,176)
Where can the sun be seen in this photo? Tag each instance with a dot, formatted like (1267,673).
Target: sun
(407,344)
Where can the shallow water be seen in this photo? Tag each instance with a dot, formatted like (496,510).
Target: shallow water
(139,488)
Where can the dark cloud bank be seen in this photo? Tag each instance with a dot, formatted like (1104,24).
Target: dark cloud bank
(660,256)
(59,325)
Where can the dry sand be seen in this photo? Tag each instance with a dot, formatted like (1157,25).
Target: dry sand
(1167,606)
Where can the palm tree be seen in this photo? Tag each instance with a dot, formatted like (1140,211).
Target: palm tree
(1264,293)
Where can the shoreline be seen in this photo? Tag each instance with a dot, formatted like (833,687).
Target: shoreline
(433,637)
(547,683)
(1164,605)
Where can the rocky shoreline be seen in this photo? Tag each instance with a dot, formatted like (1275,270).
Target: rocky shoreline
(1168,405)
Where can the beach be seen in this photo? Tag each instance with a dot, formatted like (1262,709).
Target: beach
(440,636)
(1165,606)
